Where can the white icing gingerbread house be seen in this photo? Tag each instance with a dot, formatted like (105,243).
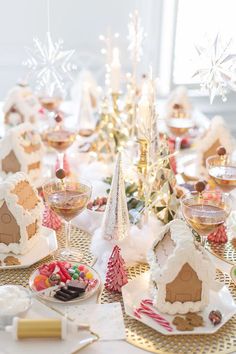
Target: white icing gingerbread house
(20,214)
(21,150)
(21,106)
(178,104)
(181,273)
(216,135)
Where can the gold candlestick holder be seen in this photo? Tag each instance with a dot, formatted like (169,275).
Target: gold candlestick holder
(115,96)
(142,163)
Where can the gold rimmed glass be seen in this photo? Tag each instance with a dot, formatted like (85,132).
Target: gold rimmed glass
(205,211)
(222,169)
(67,198)
(60,139)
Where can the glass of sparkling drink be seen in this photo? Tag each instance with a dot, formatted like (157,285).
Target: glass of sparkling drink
(67,198)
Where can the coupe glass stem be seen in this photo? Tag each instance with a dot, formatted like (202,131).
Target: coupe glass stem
(68,232)
(177,143)
(61,158)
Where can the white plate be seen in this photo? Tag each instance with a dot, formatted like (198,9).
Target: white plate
(47,294)
(137,290)
(45,245)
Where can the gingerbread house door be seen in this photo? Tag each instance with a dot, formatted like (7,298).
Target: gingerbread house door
(185,287)
(9,229)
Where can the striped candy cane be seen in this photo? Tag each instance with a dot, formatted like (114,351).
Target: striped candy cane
(146,310)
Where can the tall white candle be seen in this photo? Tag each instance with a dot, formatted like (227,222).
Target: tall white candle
(143,115)
(115,71)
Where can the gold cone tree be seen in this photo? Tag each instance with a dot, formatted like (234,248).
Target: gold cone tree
(116,218)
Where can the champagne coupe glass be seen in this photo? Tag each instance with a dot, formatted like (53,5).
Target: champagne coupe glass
(222,169)
(60,138)
(179,125)
(51,104)
(205,211)
(67,198)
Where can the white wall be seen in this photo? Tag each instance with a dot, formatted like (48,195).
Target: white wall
(79,23)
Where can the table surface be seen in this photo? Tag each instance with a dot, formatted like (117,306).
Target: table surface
(101,347)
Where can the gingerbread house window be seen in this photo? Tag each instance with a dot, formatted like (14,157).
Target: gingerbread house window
(26,195)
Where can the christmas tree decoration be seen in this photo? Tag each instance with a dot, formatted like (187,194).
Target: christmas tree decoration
(163,197)
(217,67)
(219,235)
(50,219)
(116,275)
(116,218)
(66,165)
(112,132)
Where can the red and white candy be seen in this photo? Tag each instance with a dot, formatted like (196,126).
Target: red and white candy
(144,309)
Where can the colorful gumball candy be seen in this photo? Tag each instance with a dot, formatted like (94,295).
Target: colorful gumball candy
(41,282)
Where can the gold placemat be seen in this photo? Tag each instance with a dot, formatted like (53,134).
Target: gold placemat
(138,334)
(226,252)
(79,239)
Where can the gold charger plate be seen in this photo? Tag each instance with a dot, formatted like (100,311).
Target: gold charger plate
(137,334)
(226,251)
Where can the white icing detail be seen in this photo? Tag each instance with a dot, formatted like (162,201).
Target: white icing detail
(13,141)
(216,131)
(184,252)
(22,216)
(24,102)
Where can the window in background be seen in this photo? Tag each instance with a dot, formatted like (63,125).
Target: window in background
(197,20)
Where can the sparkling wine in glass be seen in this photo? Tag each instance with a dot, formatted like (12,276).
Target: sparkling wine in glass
(67,198)
(222,169)
(179,125)
(60,139)
(205,211)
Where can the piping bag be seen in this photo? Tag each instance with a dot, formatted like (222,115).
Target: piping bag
(23,328)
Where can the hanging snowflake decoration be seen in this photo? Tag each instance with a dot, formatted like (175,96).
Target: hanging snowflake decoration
(217,68)
(135,37)
(49,65)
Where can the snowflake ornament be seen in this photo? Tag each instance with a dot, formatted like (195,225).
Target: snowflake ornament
(49,65)
(217,68)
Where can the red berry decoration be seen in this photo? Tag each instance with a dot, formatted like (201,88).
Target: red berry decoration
(215,317)
(116,275)
(219,235)
(60,173)
(200,186)
(221,151)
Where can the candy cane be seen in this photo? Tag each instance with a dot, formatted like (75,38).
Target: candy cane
(145,310)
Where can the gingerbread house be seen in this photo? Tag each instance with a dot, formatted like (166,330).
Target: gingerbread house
(21,150)
(20,214)
(181,273)
(21,106)
(178,104)
(216,135)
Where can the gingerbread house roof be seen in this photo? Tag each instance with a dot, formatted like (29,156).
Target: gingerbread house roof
(24,204)
(22,147)
(173,248)
(216,135)
(179,96)
(22,98)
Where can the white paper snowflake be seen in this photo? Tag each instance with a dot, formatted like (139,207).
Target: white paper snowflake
(217,68)
(49,65)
